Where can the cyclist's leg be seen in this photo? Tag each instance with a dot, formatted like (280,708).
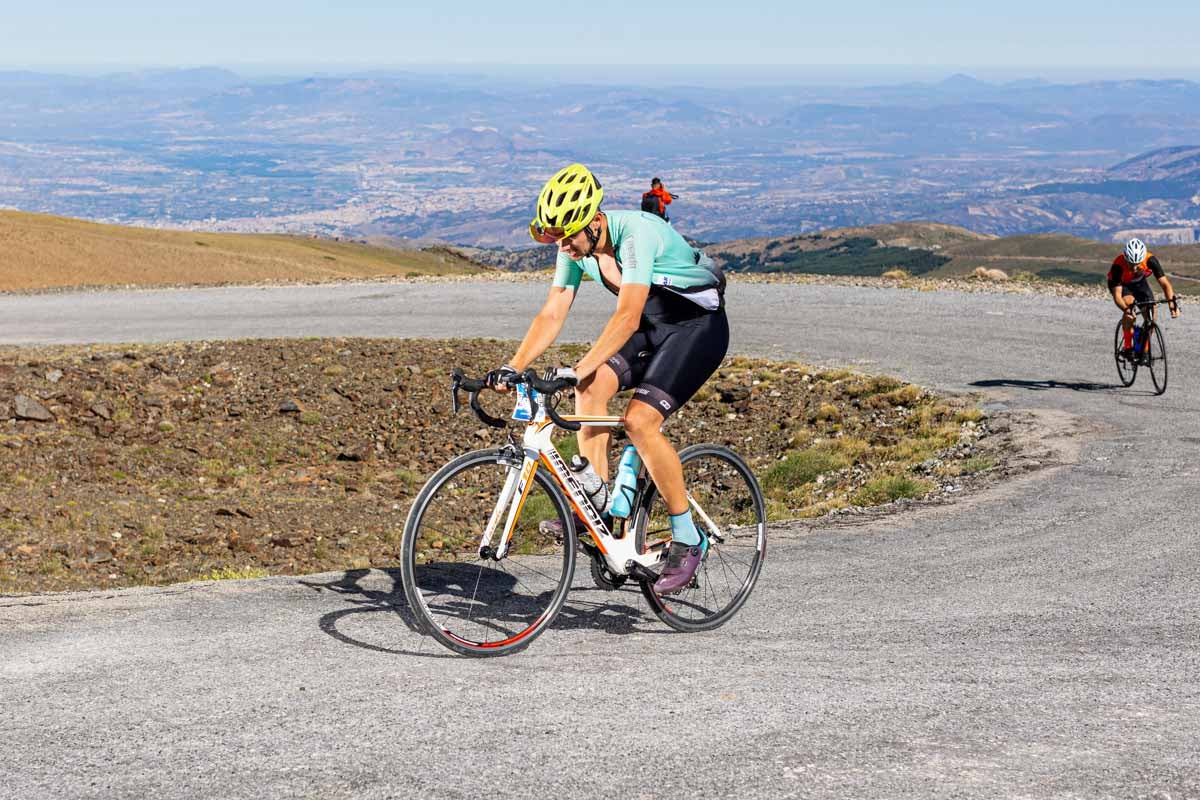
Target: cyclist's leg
(685,355)
(620,372)
(1142,293)
(593,399)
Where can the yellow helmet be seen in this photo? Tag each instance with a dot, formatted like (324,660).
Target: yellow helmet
(567,204)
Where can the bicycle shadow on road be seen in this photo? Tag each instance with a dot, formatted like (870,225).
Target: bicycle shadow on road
(366,599)
(582,611)
(1038,386)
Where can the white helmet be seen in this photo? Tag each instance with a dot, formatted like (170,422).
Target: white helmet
(1135,251)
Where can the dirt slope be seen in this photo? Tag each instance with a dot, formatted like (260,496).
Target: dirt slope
(40,252)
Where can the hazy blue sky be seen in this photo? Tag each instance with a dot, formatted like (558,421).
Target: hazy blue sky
(1019,35)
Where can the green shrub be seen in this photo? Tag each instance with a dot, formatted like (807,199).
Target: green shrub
(803,467)
(889,488)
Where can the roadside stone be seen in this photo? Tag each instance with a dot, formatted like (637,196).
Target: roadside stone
(735,394)
(290,407)
(102,411)
(358,452)
(99,557)
(27,408)
(54,375)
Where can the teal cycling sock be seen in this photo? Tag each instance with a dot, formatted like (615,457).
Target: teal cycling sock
(683,530)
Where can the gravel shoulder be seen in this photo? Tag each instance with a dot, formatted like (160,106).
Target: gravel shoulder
(137,465)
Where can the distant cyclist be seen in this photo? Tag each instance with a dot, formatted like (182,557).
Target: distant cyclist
(668,334)
(1127,280)
(657,199)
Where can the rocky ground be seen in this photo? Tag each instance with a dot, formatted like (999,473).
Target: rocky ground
(156,464)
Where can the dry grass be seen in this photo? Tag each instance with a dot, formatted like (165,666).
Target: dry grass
(44,252)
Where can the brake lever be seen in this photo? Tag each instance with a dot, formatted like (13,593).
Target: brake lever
(456,376)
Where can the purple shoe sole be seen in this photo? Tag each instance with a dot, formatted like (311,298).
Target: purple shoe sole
(682,563)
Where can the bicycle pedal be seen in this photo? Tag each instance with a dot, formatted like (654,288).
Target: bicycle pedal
(640,573)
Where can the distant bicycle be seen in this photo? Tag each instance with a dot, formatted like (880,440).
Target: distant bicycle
(1149,348)
(484,575)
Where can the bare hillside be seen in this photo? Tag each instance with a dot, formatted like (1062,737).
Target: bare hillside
(41,252)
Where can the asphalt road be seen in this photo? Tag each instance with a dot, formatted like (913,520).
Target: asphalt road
(1035,640)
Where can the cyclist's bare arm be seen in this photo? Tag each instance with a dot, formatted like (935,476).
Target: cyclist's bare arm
(623,324)
(1169,292)
(1118,295)
(545,327)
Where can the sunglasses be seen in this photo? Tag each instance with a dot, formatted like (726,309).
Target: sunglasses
(548,235)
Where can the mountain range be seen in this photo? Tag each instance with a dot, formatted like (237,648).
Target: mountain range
(459,158)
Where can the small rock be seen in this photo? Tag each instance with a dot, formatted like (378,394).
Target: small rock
(359,452)
(482,433)
(290,407)
(241,512)
(223,377)
(735,394)
(226,512)
(284,541)
(413,369)
(54,375)
(27,408)
(102,411)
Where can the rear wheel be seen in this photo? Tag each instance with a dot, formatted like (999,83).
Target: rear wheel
(1156,356)
(1126,365)
(478,606)
(728,507)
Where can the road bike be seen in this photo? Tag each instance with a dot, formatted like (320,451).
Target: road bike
(484,574)
(1150,351)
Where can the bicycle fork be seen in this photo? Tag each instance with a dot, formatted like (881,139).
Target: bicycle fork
(512,498)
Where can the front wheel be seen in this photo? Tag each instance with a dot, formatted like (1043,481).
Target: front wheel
(1156,358)
(728,507)
(480,606)
(1126,365)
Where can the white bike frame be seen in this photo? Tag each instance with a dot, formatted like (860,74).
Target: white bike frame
(540,451)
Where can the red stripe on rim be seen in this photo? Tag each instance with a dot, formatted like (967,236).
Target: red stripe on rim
(503,643)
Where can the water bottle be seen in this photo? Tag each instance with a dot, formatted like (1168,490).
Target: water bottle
(593,486)
(1137,337)
(625,484)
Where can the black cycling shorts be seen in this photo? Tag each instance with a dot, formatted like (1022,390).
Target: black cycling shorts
(672,355)
(1140,291)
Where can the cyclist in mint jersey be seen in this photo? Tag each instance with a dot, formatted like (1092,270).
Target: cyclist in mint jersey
(668,334)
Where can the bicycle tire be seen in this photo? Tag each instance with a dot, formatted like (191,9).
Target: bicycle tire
(1158,358)
(482,607)
(702,605)
(1126,368)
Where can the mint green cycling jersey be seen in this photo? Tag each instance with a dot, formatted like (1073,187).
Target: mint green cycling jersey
(650,253)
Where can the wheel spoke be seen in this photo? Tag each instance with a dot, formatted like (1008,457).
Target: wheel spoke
(478,607)
(722,491)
